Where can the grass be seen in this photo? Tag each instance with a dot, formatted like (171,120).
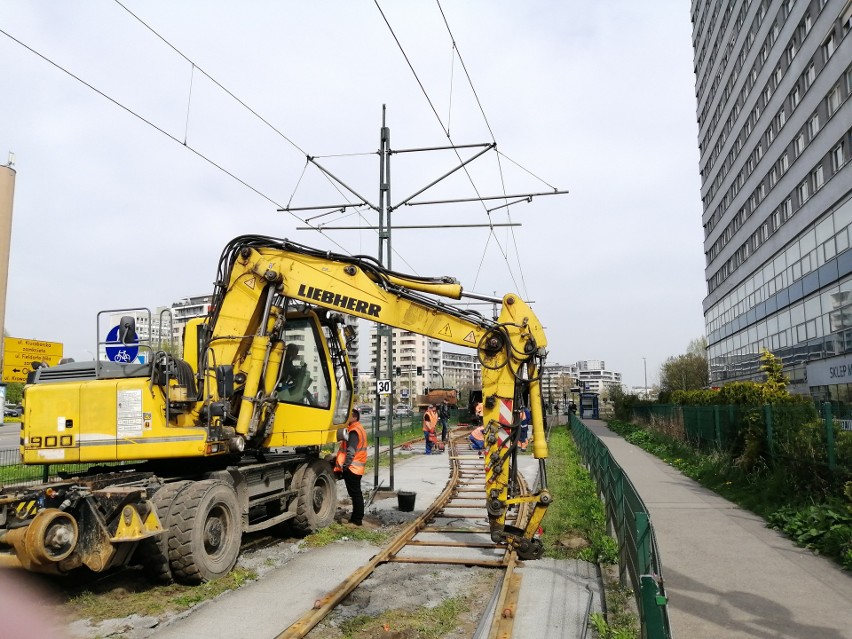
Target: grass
(575,528)
(337,532)
(137,596)
(575,523)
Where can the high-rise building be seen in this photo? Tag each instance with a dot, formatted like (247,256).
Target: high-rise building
(772,85)
(462,371)
(417,358)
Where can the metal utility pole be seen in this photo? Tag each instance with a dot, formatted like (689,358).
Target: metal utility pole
(645,366)
(384,208)
(384,248)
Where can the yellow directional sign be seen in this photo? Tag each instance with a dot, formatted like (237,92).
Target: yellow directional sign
(19,354)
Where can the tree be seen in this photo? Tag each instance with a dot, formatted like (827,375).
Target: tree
(14,392)
(775,385)
(688,371)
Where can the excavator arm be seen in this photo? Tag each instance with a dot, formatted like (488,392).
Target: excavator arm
(256,271)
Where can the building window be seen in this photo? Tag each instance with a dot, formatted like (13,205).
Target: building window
(784,164)
(813,126)
(828,47)
(817,178)
(773,176)
(809,75)
(803,192)
(794,97)
(791,52)
(799,144)
(833,100)
(786,209)
(837,158)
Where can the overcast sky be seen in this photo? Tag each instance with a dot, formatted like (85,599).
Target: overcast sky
(596,98)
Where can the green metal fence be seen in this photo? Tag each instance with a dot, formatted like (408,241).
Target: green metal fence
(628,519)
(14,473)
(813,439)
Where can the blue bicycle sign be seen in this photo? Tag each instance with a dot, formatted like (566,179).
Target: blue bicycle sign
(118,352)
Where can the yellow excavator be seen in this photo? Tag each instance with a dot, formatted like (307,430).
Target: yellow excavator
(227,439)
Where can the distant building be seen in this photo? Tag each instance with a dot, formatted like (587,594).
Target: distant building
(557,381)
(412,352)
(594,376)
(461,371)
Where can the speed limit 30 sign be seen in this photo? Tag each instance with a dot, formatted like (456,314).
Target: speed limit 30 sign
(383,387)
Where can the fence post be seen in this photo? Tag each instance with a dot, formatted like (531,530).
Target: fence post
(829,436)
(718,426)
(770,436)
(45,473)
(620,518)
(650,595)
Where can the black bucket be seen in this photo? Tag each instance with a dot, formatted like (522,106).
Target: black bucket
(406,500)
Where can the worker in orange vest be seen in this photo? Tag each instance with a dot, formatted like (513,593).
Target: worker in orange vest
(350,463)
(478,412)
(430,420)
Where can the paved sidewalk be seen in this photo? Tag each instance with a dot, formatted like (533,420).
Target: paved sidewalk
(726,574)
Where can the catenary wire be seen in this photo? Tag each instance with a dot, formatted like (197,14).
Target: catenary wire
(253,112)
(160,130)
(446,132)
(213,80)
(511,231)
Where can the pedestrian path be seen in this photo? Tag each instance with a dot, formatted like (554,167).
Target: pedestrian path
(726,574)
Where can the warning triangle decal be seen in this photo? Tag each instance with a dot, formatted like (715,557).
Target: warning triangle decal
(470,338)
(250,283)
(446,332)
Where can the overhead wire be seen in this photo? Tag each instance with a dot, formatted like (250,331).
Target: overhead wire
(257,115)
(157,128)
(510,230)
(446,131)
(212,79)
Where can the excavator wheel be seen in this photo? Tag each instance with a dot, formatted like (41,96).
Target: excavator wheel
(153,553)
(206,532)
(317,498)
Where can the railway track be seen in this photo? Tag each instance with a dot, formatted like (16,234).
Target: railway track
(453,531)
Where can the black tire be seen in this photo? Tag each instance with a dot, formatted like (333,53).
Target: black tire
(317,498)
(206,532)
(153,553)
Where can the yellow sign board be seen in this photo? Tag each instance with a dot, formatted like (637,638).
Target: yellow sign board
(19,354)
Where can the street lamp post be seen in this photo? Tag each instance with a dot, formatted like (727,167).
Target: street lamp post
(434,372)
(645,366)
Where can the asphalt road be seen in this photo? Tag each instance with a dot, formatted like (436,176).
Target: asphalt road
(10,435)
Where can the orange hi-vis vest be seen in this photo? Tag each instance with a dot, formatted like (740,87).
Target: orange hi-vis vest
(430,419)
(359,459)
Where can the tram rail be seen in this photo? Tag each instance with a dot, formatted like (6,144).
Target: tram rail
(438,527)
